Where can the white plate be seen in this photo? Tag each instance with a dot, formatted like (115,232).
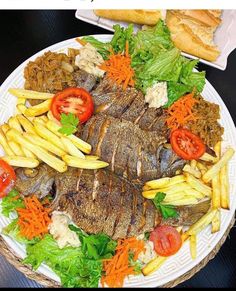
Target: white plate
(181,262)
(225,36)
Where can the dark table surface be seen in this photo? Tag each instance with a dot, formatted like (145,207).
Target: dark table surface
(23,33)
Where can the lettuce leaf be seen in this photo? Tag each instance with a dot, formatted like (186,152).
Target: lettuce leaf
(9,204)
(13,231)
(102,47)
(68,263)
(95,246)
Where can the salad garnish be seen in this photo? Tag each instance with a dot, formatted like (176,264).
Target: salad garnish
(69,123)
(167,211)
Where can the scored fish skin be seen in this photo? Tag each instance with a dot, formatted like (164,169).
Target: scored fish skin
(130,105)
(131,152)
(100,201)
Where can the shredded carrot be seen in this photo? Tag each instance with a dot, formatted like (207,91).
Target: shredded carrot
(118,68)
(181,112)
(81,41)
(33,219)
(118,267)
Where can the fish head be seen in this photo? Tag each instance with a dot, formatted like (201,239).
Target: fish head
(38,181)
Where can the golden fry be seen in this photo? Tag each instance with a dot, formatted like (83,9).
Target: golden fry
(193,171)
(216,191)
(4,144)
(14,123)
(79,143)
(193,246)
(43,155)
(28,153)
(15,148)
(38,109)
(208,158)
(22,162)
(37,140)
(216,222)
(26,124)
(215,169)
(165,182)
(198,185)
(5,127)
(153,265)
(83,163)
(48,135)
(29,94)
(204,221)
(71,148)
(217,150)
(20,101)
(182,202)
(224,188)
(91,157)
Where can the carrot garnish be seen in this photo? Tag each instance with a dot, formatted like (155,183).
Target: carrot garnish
(118,267)
(181,112)
(118,68)
(33,219)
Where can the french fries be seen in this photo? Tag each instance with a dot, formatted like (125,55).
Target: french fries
(23,162)
(91,157)
(193,246)
(20,101)
(193,171)
(204,221)
(182,202)
(71,148)
(14,123)
(83,163)
(15,148)
(48,135)
(215,169)
(164,182)
(216,191)
(202,168)
(28,153)
(38,109)
(224,188)
(79,143)
(26,124)
(29,94)
(216,222)
(153,265)
(5,127)
(37,140)
(208,158)
(4,144)
(198,185)
(43,155)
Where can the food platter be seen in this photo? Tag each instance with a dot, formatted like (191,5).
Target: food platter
(180,263)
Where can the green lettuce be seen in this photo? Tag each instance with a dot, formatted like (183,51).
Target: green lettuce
(9,204)
(102,47)
(12,230)
(68,263)
(95,246)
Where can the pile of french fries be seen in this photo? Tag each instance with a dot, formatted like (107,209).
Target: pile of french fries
(32,136)
(207,177)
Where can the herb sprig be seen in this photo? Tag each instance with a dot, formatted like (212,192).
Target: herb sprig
(69,123)
(167,211)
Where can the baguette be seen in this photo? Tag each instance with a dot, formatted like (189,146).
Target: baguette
(147,17)
(191,37)
(204,17)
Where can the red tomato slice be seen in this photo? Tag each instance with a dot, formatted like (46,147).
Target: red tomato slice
(73,100)
(186,144)
(7,178)
(166,239)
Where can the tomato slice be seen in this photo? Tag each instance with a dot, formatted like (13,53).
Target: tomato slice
(186,144)
(7,178)
(166,239)
(73,100)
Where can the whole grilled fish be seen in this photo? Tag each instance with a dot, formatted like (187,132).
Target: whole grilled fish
(100,201)
(131,152)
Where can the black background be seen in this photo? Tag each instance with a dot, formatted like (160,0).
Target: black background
(23,33)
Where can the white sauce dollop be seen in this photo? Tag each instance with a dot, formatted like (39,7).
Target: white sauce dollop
(60,231)
(89,59)
(157,96)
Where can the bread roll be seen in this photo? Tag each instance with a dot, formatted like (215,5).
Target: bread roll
(205,17)
(191,37)
(148,17)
